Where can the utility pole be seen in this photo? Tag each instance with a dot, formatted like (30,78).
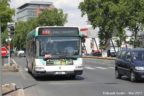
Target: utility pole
(0,62)
(10,33)
(9,41)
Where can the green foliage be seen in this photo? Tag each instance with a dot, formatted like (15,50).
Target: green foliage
(101,14)
(136,17)
(54,17)
(4,36)
(5,14)
(113,16)
(20,34)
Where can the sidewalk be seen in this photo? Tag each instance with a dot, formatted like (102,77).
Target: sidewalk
(10,89)
(104,58)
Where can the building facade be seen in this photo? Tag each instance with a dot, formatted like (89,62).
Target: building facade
(32,10)
(92,40)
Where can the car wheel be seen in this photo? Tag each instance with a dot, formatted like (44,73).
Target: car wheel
(117,74)
(133,77)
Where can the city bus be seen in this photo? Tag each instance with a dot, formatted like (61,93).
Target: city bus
(53,50)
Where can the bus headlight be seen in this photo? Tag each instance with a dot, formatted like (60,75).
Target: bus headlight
(139,68)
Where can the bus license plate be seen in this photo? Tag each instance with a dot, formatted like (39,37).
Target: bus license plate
(60,73)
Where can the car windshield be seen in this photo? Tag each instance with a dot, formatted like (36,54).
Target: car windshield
(138,55)
(66,46)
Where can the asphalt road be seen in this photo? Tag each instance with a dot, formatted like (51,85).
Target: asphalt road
(97,80)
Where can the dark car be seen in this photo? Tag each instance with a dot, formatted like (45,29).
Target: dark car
(130,62)
(113,54)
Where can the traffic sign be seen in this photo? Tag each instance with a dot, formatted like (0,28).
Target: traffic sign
(3,51)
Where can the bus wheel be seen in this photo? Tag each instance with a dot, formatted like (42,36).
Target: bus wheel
(28,70)
(32,71)
(72,76)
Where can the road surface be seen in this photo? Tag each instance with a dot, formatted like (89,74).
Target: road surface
(97,80)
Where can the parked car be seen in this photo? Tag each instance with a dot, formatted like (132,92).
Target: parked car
(22,55)
(20,52)
(130,62)
(113,54)
(96,53)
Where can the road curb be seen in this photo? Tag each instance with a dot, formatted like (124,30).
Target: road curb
(10,68)
(11,90)
(103,58)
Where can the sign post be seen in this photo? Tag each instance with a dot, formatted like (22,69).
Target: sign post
(9,41)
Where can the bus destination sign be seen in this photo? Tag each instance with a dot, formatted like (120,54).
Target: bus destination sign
(60,31)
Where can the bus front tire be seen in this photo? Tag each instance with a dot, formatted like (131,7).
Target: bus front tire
(28,70)
(72,76)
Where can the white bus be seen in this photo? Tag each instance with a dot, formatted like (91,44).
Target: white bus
(54,51)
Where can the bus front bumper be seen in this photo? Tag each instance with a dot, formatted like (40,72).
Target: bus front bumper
(42,73)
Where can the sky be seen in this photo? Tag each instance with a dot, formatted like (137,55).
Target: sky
(69,6)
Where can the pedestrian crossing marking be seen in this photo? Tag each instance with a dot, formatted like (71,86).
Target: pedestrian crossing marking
(98,67)
(90,68)
(101,68)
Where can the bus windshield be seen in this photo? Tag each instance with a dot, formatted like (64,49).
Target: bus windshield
(65,46)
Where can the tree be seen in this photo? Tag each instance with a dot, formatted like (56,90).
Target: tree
(20,35)
(54,17)
(110,15)
(5,14)
(4,36)
(101,14)
(135,18)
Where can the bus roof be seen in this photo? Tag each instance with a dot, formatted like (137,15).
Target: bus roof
(35,32)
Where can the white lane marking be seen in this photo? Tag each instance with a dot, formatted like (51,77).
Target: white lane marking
(100,68)
(90,68)
(14,61)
